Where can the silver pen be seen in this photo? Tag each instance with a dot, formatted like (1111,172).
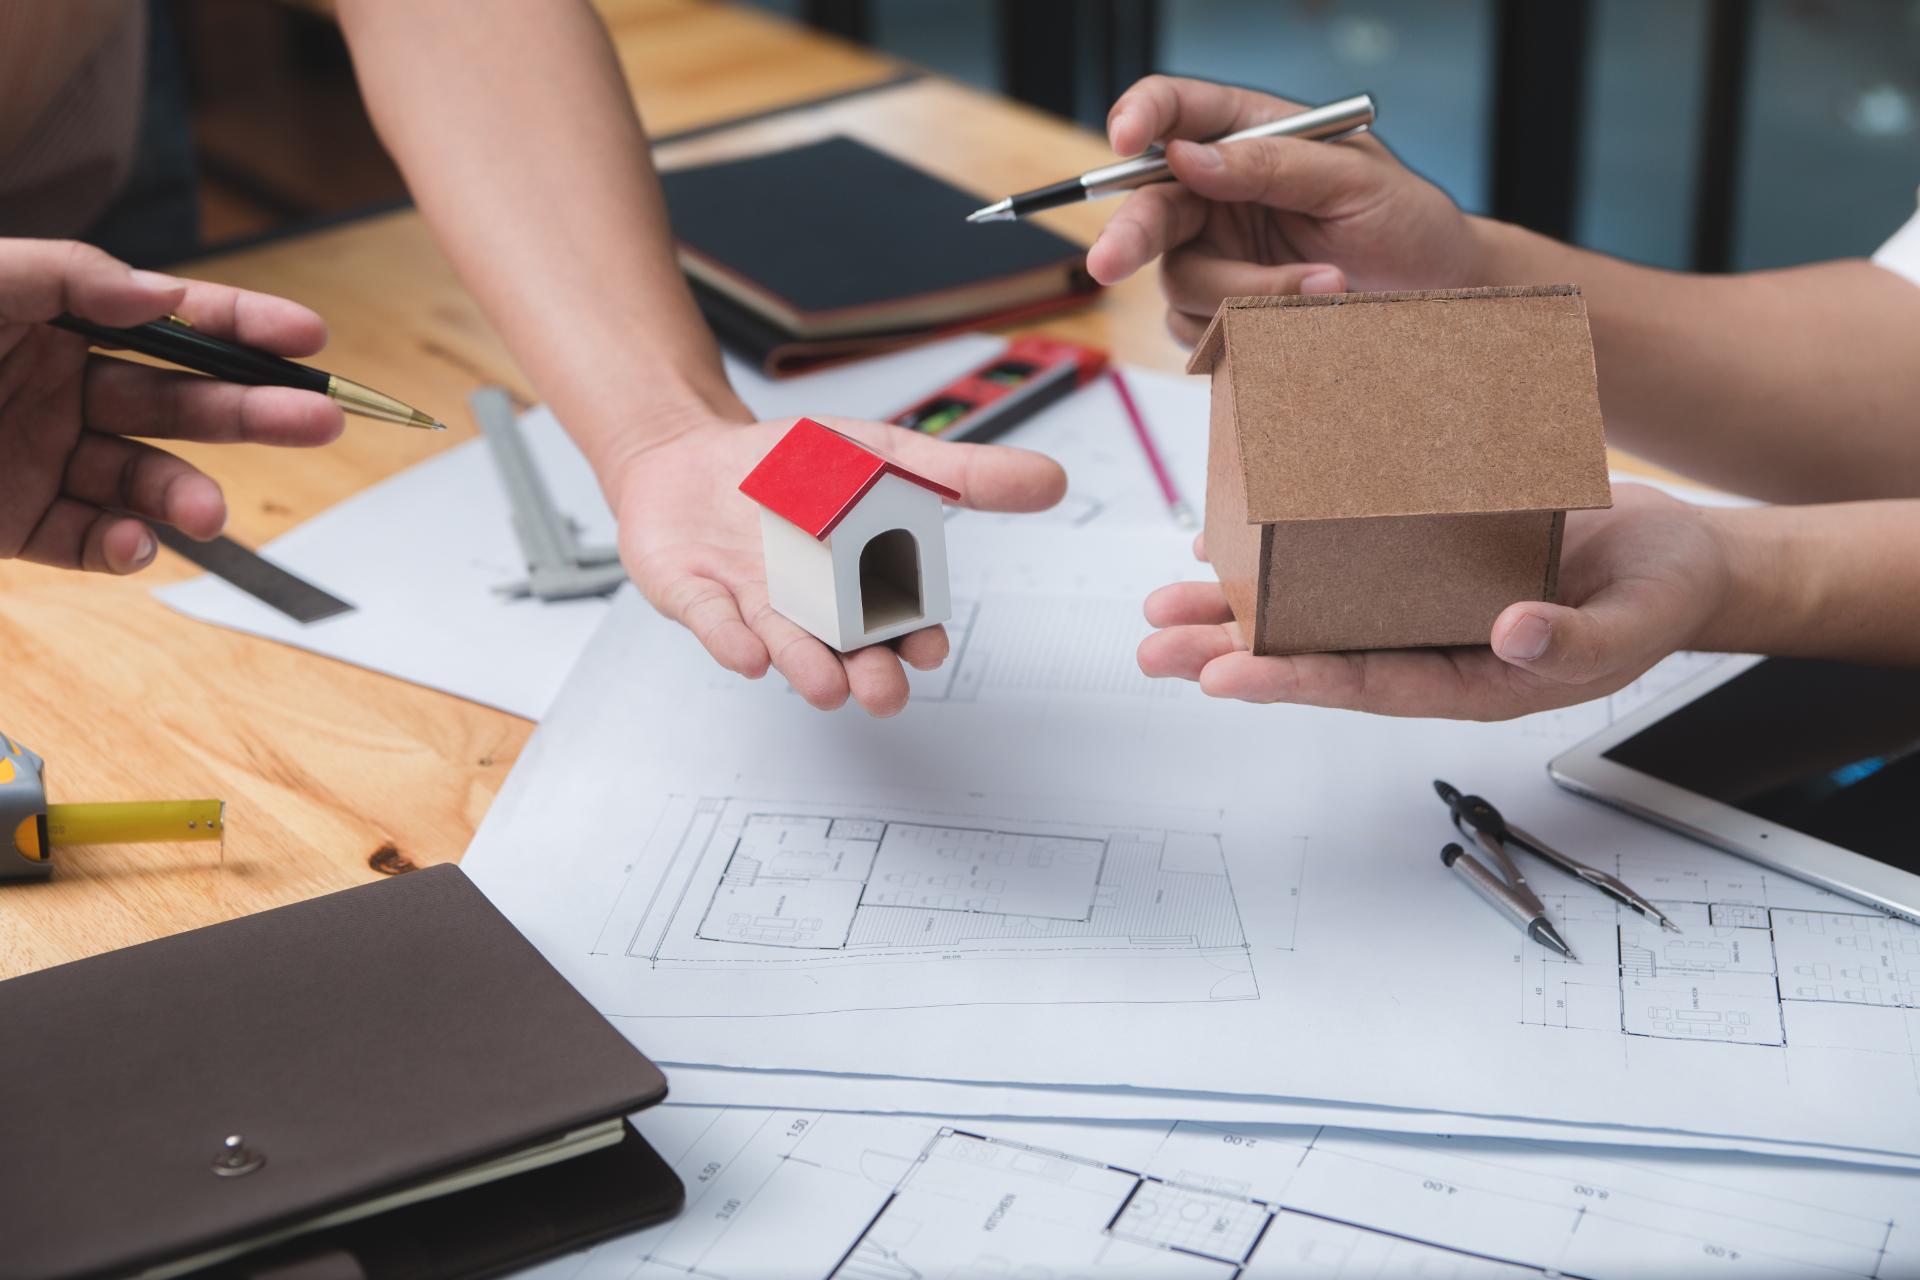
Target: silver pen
(1330,123)
(1531,917)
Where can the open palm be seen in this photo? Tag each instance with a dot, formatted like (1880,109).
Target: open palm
(691,542)
(1639,581)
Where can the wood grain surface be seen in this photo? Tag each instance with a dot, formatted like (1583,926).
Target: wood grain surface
(334,775)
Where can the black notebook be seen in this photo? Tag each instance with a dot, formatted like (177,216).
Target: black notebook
(834,247)
(411,1090)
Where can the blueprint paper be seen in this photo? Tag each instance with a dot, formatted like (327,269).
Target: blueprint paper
(866,1197)
(419,555)
(702,1086)
(1051,871)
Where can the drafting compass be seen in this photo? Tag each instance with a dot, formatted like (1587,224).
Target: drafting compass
(1482,823)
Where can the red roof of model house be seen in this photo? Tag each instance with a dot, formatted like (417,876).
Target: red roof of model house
(815,476)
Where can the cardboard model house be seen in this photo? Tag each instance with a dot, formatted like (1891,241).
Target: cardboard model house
(855,543)
(1394,469)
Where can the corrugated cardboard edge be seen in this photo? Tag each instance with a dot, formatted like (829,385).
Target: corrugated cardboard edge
(1207,350)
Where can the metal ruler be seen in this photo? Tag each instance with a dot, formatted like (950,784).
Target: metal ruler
(259,577)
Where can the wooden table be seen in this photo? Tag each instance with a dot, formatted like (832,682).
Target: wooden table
(328,770)
(333,774)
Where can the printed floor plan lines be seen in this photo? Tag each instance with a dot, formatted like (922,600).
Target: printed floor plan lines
(1014,644)
(772,897)
(1000,1207)
(1115,901)
(1021,644)
(1817,974)
(869,1197)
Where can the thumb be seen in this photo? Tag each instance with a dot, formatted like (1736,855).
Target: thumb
(41,279)
(988,477)
(1295,174)
(1563,645)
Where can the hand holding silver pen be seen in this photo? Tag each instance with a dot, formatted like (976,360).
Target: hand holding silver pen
(1329,123)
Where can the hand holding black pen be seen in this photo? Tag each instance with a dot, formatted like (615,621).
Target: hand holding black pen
(176,341)
(77,490)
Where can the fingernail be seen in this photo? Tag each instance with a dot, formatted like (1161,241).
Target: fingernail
(1328,281)
(154,280)
(1527,639)
(144,549)
(1201,156)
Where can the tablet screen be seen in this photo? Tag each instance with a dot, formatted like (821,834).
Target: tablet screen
(1827,749)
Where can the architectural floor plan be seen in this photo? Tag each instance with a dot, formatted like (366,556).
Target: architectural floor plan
(1072,888)
(865,1197)
(782,896)
(1761,960)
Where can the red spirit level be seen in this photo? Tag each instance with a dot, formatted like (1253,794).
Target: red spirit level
(1028,376)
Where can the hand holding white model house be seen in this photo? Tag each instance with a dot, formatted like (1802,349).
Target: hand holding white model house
(855,543)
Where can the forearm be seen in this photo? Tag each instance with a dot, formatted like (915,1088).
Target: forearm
(1798,385)
(513,125)
(1834,581)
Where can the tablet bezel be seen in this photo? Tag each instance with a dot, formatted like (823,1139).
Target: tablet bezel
(1585,770)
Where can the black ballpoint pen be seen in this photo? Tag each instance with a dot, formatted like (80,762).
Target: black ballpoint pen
(177,342)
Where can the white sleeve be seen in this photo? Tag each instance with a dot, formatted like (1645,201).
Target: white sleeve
(1901,254)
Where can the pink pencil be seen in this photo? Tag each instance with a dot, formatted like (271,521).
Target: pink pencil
(1182,513)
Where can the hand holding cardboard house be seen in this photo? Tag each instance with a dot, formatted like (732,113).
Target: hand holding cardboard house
(1389,470)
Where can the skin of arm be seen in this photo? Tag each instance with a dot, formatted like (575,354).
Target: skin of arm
(1719,377)
(513,124)
(1838,580)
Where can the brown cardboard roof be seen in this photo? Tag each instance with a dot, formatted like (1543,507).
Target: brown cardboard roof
(1426,403)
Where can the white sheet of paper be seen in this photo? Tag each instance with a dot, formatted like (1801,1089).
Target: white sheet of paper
(704,1086)
(797,1193)
(419,555)
(1050,870)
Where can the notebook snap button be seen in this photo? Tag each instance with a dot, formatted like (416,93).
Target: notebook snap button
(237,1158)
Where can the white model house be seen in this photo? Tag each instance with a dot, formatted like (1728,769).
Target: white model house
(855,543)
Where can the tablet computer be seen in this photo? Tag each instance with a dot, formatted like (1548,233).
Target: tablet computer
(1808,767)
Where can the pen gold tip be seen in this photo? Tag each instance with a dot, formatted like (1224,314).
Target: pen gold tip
(368,403)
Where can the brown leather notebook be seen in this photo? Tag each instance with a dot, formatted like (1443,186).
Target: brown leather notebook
(415,1091)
